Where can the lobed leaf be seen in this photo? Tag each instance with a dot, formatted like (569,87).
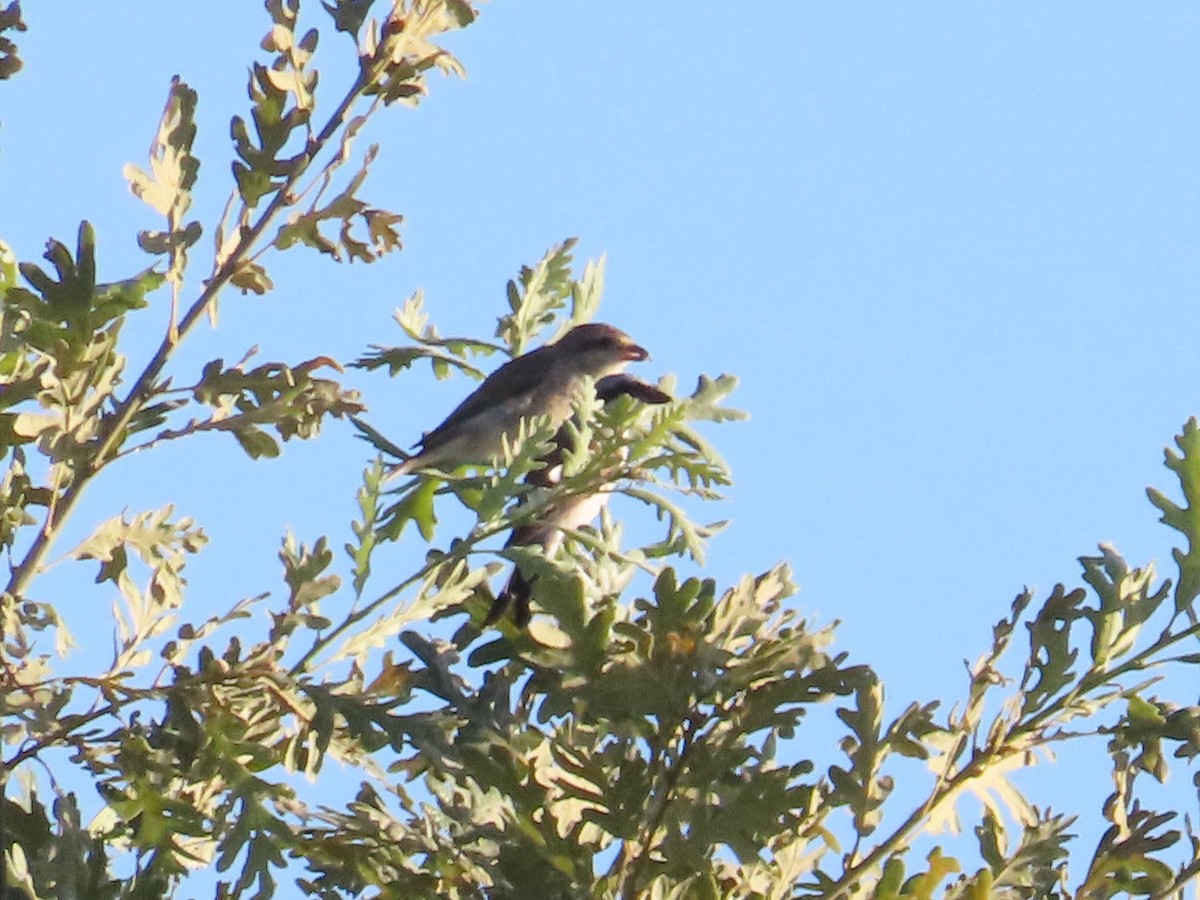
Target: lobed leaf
(537,294)
(1184,518)
(10,20)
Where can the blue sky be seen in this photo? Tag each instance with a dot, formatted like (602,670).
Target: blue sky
(949,249)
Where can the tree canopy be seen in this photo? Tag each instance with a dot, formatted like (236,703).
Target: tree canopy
(651,733)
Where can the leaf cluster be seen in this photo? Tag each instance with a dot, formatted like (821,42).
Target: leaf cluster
(650,734)
(72,404)
(10,20)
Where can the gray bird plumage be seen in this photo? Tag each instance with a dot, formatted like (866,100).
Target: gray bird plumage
(538,383)
(572,512)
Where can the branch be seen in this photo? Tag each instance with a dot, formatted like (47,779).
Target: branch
(946,788)
(460,551)
(118,421)
(628,886)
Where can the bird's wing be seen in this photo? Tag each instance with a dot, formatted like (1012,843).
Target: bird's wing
(511,383)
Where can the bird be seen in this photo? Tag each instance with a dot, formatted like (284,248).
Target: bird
(538,383)
(571,512)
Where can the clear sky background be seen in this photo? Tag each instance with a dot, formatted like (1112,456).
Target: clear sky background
(949,249)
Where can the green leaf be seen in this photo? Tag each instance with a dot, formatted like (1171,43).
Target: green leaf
(256,443)
(445,354)
(922,885)
(115,299)
(162,544)
(587,292)
(288,398)
(365,530)
(1127,601)
(536,296)
(10,20)
(304,572)
(173,168)
(348,15)
(262,169)
(346,208)
(250,277)
(164,242)
(252,184)
(461,11)
(72,322)
(415,505)
(1184,518)
(1124,861)
(1051,657)
(861,787)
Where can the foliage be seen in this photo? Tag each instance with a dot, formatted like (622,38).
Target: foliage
(10,20)
(669,740)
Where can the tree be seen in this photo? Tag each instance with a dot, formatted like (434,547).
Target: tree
(623,745)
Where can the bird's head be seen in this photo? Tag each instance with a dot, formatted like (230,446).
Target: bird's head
(598,349)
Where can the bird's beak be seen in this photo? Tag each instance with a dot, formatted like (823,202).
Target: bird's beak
(634,353)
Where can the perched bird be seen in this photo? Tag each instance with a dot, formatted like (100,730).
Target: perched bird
(538,383)
(569,513)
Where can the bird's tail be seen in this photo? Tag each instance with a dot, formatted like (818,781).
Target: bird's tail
(514,597)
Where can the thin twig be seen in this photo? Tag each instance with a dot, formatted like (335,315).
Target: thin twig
(632,869)
(113,430)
